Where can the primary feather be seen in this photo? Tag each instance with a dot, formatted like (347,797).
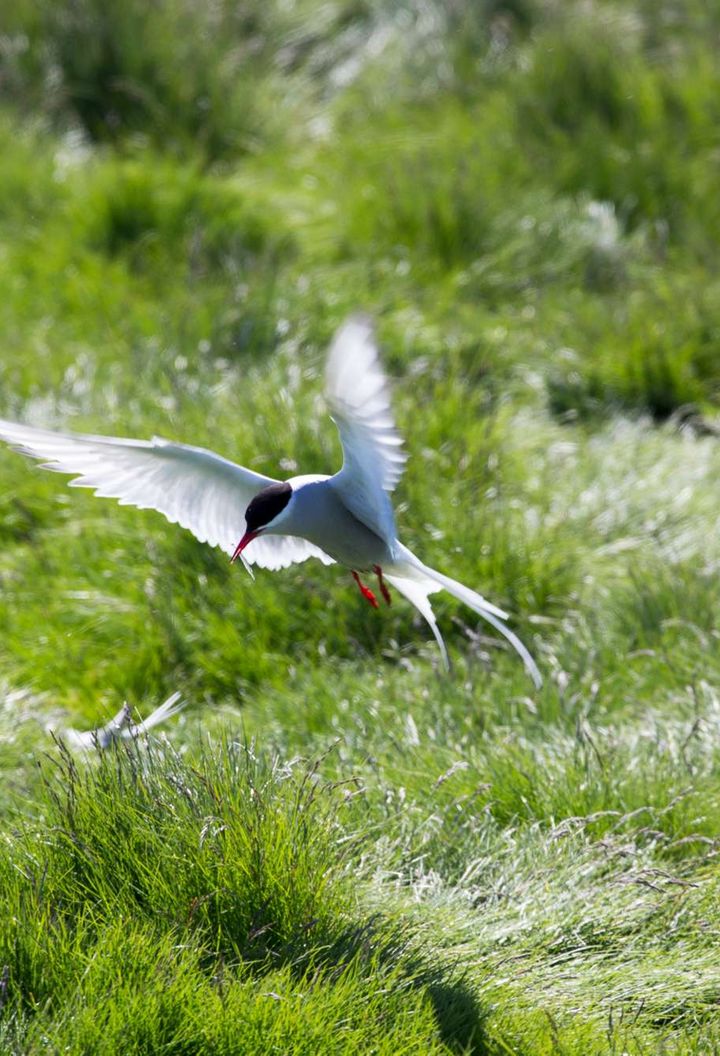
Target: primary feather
(359,401)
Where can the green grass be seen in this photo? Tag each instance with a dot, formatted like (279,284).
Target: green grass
(337,848)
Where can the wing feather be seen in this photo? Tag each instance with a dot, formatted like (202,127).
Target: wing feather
(357,393)
(190,486)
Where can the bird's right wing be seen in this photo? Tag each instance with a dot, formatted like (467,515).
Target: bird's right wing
(190,486)
(359,400)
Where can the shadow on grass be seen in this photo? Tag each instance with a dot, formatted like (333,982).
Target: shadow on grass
(460,1018)
(383,947)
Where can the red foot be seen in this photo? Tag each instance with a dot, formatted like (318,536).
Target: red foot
(365,591)
(382,584)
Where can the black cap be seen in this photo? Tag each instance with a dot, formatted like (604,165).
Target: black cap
(266,505)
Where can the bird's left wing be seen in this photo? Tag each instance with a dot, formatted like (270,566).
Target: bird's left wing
(190,486)
(359,400)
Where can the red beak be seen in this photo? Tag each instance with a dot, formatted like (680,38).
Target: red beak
(247,538)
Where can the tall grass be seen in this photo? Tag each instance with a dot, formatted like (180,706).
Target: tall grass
(173,939)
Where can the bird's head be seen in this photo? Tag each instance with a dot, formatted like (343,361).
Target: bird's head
(265,512)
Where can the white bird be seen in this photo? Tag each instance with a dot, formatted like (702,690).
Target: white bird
(120,728)
(345,518)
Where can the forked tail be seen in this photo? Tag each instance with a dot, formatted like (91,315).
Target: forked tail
(417,581)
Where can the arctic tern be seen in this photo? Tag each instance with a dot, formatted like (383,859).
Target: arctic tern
(346,518)
(120,728)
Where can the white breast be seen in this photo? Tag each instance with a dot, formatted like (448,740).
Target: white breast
(316,513)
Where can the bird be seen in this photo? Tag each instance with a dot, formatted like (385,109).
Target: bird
(120,728)
(346,518)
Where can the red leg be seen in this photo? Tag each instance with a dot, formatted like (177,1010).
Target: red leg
(365,591)
(382,584)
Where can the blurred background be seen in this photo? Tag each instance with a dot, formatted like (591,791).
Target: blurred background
(450,158)
(548,166)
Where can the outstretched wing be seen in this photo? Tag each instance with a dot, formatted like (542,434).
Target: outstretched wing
(190,486)
(359,400)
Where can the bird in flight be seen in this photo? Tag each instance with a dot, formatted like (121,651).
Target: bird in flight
(346,518)
(121,728)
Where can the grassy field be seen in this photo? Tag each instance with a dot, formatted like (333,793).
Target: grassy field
(337,848)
